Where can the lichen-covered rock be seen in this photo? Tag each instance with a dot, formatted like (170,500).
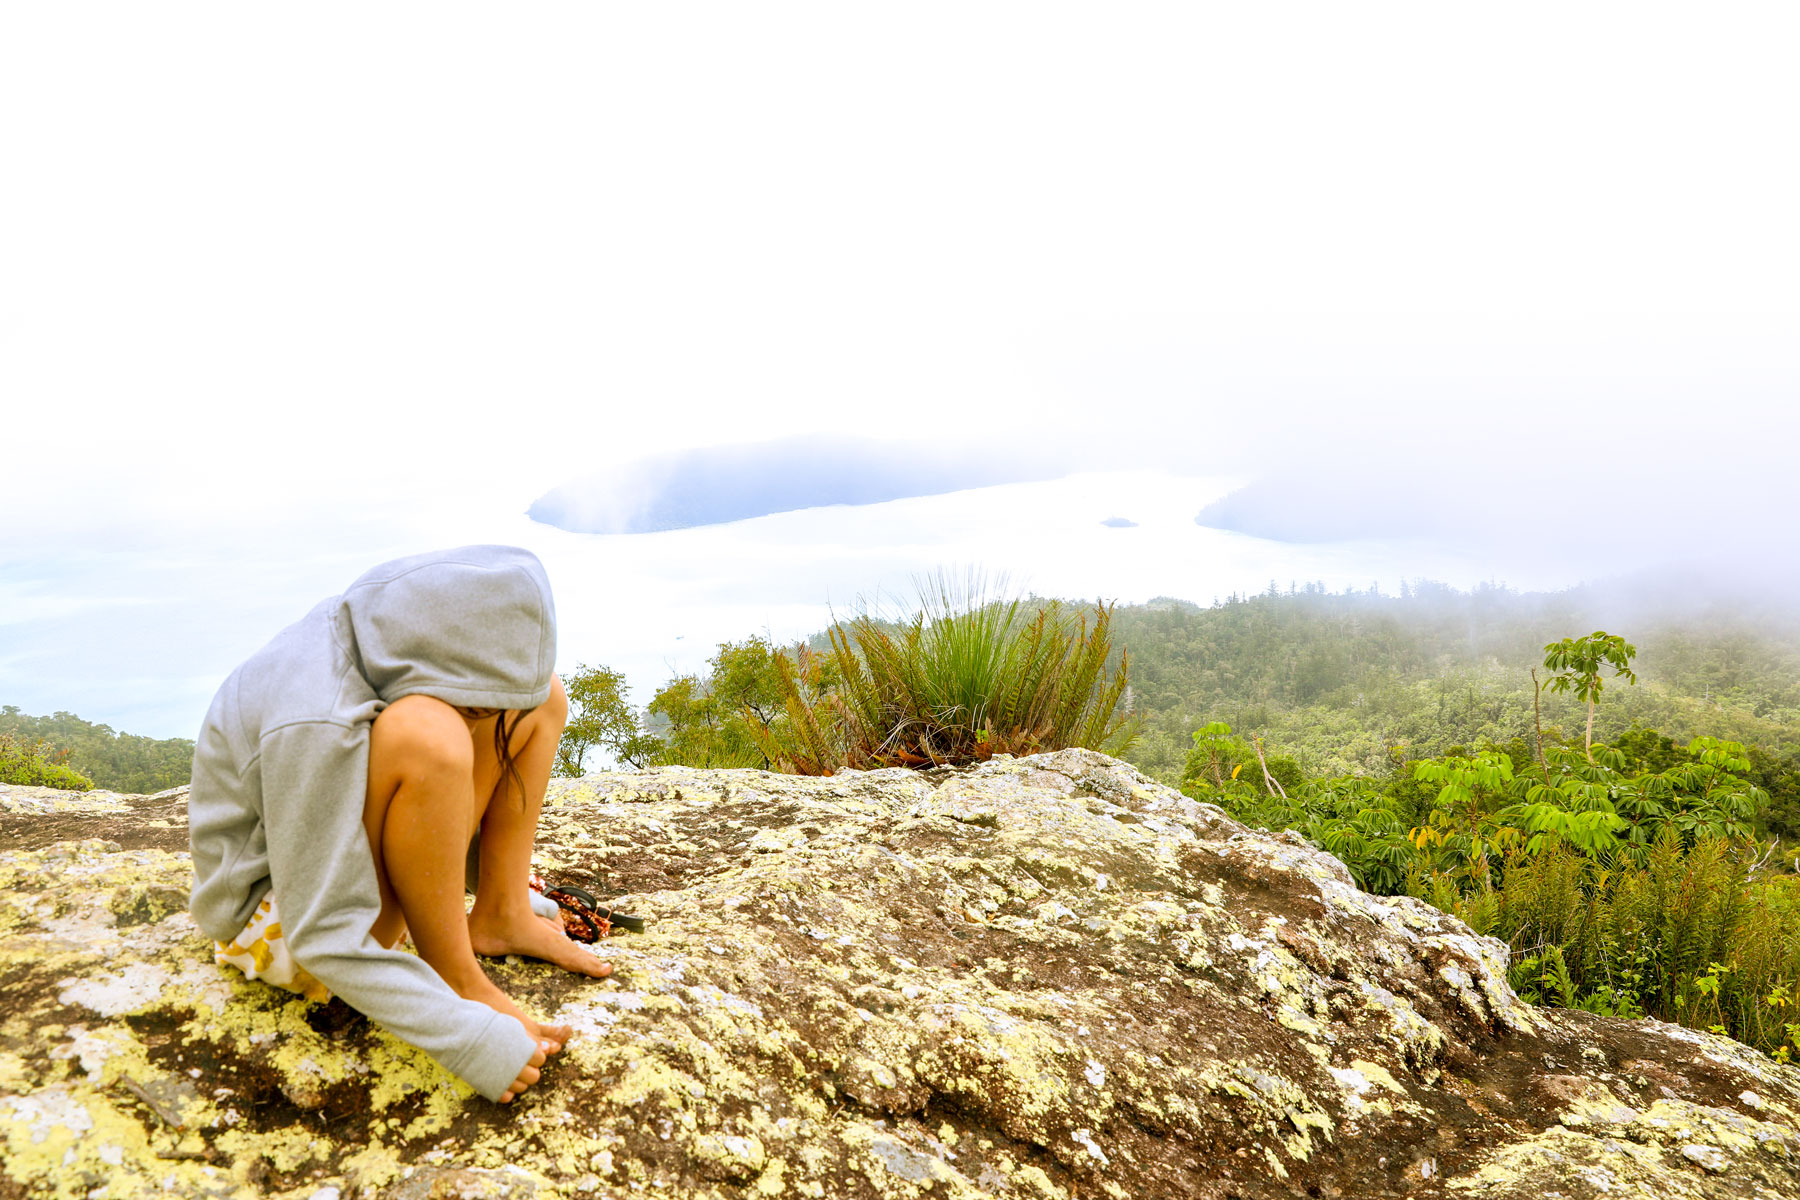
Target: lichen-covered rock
(1043,977)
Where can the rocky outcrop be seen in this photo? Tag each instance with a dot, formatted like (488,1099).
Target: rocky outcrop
(1044,977)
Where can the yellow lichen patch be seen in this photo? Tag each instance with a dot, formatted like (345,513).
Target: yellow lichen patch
(726,1155)
(41,800)
(1304,1122)
(1680,1121)
(1377,1074)
(272,1028)
(374,1167)
(897,1166)
(284,1149)
(1032,1180)
(1410,1033)
(1013,1066)
(65,1142)
(1358,1081)
(15,1073)
(771,1183)
(1565,1157)
(103,1054)
(398,1071)
(1596,1105)
(1289,1017)
(648,1078)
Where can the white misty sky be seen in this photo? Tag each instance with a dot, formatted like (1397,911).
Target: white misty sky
(282,287)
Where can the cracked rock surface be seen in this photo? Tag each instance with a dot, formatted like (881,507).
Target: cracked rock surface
(1041,977)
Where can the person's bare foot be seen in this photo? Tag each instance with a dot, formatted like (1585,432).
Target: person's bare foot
(528,1074)
(553,924)
(535,937)
(484,990)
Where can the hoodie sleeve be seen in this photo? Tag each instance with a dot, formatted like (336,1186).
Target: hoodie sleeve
(314,778)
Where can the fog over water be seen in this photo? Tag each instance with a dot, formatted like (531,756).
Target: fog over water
(140,638)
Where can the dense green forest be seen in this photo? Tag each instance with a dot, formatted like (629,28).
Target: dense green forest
(1347,683)
(120,762)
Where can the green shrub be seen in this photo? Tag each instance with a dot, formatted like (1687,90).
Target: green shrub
(1625,894)
(1692,935)
(1218,758)
(1460,815)
(964,680)
(118,762)
(37,764)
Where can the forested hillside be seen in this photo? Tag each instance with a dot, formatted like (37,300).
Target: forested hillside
(1337,685)
(1341,683)
(120,762)
(1344,683)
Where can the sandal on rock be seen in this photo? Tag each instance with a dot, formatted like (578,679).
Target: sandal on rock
(585,919)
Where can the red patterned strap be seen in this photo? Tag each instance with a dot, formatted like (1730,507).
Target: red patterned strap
(580,920)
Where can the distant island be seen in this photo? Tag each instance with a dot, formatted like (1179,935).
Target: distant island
(716,484)
(1302,508)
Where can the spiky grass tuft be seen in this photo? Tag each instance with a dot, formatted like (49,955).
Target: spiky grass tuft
(966,676)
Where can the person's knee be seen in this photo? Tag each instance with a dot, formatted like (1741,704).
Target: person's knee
(420,740)
(556,708)
(550,716)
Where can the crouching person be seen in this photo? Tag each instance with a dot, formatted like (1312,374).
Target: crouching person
(356,773)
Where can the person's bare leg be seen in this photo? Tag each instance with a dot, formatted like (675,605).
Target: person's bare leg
(419,813)
(501,920)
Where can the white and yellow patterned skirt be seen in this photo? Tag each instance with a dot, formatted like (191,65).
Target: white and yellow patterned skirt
(260,952)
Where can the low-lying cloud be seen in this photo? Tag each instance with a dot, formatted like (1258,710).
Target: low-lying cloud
(714,485)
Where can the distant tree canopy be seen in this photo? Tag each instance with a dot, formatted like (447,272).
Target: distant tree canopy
(1343,682)
(600,718)
(119,762)
(717,719)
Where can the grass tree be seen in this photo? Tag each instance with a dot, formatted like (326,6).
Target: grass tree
(963,679)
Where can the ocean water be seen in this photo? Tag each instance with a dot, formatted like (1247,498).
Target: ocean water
(139,635)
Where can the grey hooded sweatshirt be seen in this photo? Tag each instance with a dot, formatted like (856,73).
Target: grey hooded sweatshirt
(281,770)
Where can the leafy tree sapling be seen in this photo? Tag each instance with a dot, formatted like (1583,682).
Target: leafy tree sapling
(1577,663)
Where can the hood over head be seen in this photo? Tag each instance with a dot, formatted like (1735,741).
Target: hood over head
(474,627)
